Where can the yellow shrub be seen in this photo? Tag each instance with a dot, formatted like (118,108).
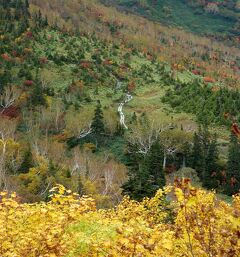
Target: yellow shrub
(67,225)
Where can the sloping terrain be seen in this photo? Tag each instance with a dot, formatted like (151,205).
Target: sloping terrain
(53,75)
(216,18)
(96,102)
(176,47)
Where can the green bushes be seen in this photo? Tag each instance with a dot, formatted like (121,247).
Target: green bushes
(218,107)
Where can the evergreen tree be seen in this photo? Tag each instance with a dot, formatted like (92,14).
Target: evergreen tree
(138,185)
(133,118)
(210,176)
(143,119)
(37,96)
(119,130)
(233,167)
(200,150)
(133,162)
(197,156)
(26,12)
(18,9)
(204,158)
(27,4)
(45,21)
(154,163)
(6,4)
(27,162)
(98,123)
(145,173)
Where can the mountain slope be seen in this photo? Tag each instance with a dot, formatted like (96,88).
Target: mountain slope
(217,18)
(176,47)
(89,106)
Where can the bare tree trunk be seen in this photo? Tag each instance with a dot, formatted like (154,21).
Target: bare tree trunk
(164,161)
(3,182)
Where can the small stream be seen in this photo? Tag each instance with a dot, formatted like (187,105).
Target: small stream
(127,99)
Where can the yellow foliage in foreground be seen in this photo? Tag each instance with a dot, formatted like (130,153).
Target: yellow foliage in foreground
(196,224)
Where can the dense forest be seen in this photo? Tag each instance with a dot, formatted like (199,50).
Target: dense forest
(112,138)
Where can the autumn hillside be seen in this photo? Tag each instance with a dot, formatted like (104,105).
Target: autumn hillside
(119,136)
(218,19)
(182,50)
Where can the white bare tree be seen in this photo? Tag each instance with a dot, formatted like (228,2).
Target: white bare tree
(8,98)
(78,124)
(144,135)
(7,131)
(173,141)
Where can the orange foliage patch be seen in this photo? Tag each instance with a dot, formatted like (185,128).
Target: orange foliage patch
(6,57)
(209,80)
(61,137)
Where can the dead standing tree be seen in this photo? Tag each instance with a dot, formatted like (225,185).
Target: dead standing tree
(8,98)
(7,131)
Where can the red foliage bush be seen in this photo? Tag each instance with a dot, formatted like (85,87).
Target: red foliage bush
(170,168)
(196,72)
(29,34)
(28,83)
(85,64)
(14,53)
(235,129)
(11,112)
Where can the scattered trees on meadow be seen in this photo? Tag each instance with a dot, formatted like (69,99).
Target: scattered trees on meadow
(53,134)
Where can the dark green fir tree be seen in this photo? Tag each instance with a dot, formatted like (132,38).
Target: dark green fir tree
(98,122)
(233,167)
(201,144)
(133,161)
(211,173)
(27,162)
(37,96)
(134,119)
(145,173)
(98,128)
(154,163)
(197,156)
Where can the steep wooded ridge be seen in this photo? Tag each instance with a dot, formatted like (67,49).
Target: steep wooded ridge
(219,19)
(97,102)
(180,49)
